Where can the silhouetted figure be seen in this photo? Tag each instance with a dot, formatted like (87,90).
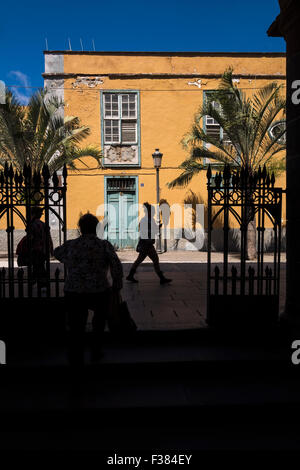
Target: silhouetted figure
(148,229)
(37,233)
(87,259)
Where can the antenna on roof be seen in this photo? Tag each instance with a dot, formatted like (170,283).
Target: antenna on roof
(93,42)
(46,44)
(81,44)
(70,48)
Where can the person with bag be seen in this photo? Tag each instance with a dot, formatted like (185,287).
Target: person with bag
(32,249)
(88,259)
(148,229)
(119,319)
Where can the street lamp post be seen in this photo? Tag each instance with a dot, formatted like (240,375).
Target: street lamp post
(157,157)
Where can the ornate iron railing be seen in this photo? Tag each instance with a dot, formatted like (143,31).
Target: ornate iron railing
(20,192)
(243,196)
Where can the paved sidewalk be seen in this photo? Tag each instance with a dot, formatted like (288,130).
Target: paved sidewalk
(185,256)
(179,305)
(174,256)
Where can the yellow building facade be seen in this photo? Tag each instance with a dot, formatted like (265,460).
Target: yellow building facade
(135,102)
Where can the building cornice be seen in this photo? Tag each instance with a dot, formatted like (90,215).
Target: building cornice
(118,76)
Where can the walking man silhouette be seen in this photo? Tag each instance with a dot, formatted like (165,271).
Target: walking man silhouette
(148,229)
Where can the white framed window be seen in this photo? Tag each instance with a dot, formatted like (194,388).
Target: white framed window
(276,129)
(120,118)
(211,127)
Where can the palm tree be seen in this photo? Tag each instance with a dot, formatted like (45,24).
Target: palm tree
(38,134)
(246,142)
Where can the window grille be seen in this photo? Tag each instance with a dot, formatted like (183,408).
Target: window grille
(121,184)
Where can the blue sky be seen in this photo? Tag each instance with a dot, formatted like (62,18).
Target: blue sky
(131,25)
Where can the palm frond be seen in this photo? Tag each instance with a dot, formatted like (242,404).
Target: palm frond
(40,134)
(245,121)
(190,170)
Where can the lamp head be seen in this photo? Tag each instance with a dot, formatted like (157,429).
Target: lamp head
(157,158)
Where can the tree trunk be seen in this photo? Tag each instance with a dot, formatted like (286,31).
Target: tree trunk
(251,252)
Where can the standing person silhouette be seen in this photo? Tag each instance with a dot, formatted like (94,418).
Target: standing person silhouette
(148,229)
(88,259)
(37,231)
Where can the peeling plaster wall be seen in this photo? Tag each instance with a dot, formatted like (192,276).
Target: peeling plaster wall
(55,64)
(87,81)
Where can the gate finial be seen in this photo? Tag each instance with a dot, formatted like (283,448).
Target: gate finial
(45,172)
(36,179)
(55,179)
(208,174)
(226,172)
(24,170)
(65,172)
(16,178)
(259,173)
(11,172)
(6,169)
(273,179)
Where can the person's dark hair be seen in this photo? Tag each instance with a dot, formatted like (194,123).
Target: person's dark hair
(148,207)
(88,223)
(36,212)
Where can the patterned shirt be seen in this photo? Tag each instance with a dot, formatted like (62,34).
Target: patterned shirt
(87,260)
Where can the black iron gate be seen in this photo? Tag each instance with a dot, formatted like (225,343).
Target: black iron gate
(20,192)
(244,292)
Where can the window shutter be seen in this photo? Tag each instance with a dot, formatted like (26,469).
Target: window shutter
(212,127)
(128,131)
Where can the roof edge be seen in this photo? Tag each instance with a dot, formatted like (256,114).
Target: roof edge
(171,53)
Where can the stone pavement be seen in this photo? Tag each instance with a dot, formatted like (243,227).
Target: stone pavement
(177,306)
(185,256)
(174,256)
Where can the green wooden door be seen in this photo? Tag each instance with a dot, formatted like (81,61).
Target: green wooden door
(113,228)
(122,215)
